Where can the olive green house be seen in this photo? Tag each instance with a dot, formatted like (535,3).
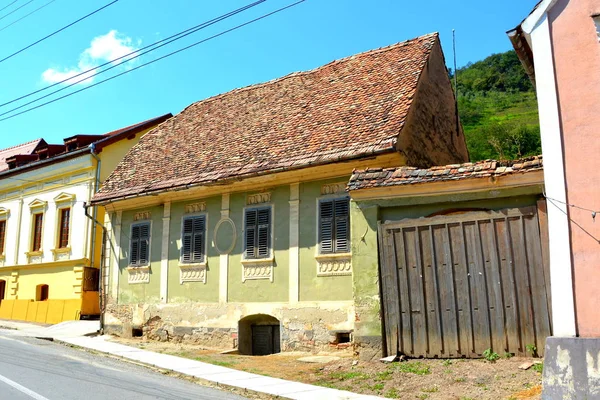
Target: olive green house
(229,224)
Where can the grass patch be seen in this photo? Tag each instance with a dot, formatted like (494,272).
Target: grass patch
(346,376)
(392,394)
(384,375)
(416,367)
(538,367)
(433,389)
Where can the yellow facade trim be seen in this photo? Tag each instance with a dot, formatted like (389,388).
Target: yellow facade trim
(63,263)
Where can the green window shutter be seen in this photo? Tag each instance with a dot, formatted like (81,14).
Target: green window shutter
(188,230)
(144,244)
(334,226)
(194,231)
(250,233)
(257,239)
(198,239)
(326,226)
(134,253)
(263,244)
(342,226)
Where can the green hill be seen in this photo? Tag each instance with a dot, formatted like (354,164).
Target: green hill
(498,109)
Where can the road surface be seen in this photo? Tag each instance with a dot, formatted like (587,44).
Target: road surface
(42,370)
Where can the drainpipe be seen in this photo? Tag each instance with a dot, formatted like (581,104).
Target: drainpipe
(95,221)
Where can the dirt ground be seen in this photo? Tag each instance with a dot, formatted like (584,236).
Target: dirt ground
(413,379)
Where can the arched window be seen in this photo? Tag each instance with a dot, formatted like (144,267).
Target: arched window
(41,293)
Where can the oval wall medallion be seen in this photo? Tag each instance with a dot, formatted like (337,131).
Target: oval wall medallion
(225,236)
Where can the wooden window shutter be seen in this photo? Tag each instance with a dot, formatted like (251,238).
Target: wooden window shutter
(144,244)
(134,254)
(334,226)
(140,244)
(198,239)
(326,226)
(194,231)
(258,233)
(250,229)
(342,226)
(264,233)
(2,236)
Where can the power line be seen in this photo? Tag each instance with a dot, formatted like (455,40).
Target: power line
(572,220)
(153,46)
(15,10)
(55,32)
(155,60)
(26,15)
(8,5)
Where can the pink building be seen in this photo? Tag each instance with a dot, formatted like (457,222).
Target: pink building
(559,46)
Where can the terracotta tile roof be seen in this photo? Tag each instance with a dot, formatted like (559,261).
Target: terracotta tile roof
(346,109)
(25,148)
(377,177)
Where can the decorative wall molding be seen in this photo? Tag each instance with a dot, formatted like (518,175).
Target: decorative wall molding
(257,269)
(192,273)
(64,198)
(38,204)
(138,275)
(258,198)
(195,207)
(229,249)
(142,215)
(4,213)
(14,283)
(333,188)
(334,264)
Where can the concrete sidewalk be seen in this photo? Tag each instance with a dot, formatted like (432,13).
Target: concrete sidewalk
(208,372)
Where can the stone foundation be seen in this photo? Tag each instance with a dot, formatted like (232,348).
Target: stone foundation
(571,368)
(303,327)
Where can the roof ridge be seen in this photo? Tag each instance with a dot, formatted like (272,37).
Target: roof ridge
(19,145)
(313,70)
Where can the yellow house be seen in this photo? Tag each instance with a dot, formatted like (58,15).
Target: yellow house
(50,245)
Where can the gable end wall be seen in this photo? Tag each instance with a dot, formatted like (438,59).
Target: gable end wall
(430,135)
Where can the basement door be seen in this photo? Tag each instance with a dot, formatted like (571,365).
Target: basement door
(457,285)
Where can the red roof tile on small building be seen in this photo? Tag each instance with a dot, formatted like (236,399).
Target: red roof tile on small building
(378,177)
(347,109)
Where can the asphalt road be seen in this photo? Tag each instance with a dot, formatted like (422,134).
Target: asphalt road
(38,369)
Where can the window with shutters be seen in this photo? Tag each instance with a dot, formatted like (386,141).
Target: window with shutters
(139,252)
(334,226)
(193,237)
(257,237)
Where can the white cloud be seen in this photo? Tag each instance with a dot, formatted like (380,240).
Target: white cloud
(102,49)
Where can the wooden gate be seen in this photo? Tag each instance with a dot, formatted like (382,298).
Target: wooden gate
(456,285)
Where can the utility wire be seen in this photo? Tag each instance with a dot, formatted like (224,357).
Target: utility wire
(55,32)
(8,5)
(26,15)
(152,46)
(572,220)
(155,60)
(15,10)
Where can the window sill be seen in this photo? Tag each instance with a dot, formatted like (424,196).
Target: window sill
(335,264)
(34,257)
(260,268)
(192,272)
(61,254)
(138,274)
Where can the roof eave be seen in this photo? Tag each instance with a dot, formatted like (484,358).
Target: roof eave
(223,181)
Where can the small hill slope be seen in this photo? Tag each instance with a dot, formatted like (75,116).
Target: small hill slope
(498,109)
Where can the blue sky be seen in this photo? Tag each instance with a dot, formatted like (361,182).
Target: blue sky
(306,36)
